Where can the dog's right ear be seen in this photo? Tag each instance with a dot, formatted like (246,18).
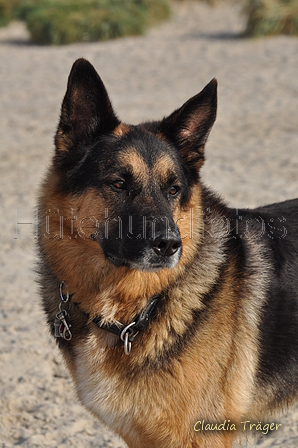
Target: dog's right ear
(86,111)
(189,126)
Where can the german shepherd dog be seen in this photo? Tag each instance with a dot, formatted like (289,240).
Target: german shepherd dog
(176,315)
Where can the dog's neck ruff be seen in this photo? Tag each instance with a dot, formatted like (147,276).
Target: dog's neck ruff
(126,333)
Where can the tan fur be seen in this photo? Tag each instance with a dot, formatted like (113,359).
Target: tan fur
(99,373)
(121,130)
(163,165)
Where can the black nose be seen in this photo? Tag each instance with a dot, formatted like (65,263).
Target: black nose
(166,246)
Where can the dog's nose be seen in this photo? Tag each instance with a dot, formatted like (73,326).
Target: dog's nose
(166,246)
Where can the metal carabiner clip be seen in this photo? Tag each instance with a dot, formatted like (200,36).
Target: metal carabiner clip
(67,336)
(62,327)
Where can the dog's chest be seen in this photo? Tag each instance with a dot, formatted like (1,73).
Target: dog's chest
(100,392)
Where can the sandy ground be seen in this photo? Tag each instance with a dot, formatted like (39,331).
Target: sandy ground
(252,159)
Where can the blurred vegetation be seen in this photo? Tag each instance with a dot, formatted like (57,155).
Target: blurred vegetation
(64,21)
(209,2)
(8,11)
(271,17)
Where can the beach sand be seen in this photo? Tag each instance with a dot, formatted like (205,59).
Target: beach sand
(251,159)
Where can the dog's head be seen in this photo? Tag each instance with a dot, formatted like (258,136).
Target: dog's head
(132,183)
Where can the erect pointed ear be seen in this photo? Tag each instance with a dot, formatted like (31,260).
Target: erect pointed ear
(188,127)
(86,111)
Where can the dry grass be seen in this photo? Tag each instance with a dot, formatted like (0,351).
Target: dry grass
(271,17)
(65,21)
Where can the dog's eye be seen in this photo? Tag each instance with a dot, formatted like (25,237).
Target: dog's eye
(119,185)
(174,190)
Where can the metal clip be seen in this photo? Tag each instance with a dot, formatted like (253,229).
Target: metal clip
(125,334)
(62,328)
(61,324)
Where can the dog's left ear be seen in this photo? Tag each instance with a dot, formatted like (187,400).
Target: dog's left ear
(188,127)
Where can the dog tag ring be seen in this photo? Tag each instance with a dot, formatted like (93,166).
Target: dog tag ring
(125,335)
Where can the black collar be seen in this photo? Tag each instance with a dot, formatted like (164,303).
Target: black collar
(127,333)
